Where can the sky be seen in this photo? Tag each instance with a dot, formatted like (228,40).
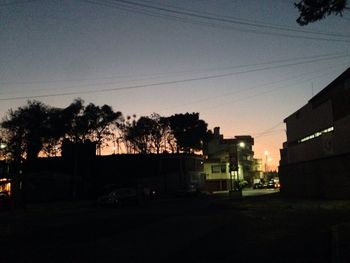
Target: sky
(244,65)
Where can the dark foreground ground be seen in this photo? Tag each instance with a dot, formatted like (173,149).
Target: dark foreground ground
(212,228)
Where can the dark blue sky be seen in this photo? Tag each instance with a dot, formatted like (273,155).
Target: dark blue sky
(218,58)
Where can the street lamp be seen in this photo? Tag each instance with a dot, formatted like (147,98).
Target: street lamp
(234,167)
(268,160)
(266,154)
(242,146)
(2,148)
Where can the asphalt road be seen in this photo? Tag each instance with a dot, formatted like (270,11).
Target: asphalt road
(198,229)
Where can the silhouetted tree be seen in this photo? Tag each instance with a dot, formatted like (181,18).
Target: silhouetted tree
(98,122)
(156,134)
(167,141)
(37,127)
(124,127)
(55,132)
(314,10)
(12,137)
(74,125)
(26,128)
(189,131)
(139,134)
(92,122)
(148,134)
(159,131)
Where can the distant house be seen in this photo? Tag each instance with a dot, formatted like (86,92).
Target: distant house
(315,158)
(228,160)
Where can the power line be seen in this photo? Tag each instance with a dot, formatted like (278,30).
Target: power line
(229,19)
(270,133)
(262,93)
(17,3)
(152,76)
(188,20)
(269,130)
(211,98)
(272,129)
(168,82)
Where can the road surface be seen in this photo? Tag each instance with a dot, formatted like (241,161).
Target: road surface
(262,228)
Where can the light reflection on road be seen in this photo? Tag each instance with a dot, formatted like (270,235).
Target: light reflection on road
(256,192)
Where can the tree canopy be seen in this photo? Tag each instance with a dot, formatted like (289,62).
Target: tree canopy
(26,129)
(314,10)
(38,128)
(155,134)
(189,131)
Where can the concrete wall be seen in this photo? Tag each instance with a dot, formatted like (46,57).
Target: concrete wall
(218,185)
(327,177)
(215,146)
(216,176)
(319,147)
(308,120)
(342,135)
(58,178)
(319,166)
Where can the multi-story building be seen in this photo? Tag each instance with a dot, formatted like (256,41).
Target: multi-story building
(257,169)
(227,161)
(315,157)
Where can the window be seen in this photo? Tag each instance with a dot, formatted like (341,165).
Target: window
(316,134)
(221,168)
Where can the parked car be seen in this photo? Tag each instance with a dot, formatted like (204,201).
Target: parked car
(190,190)
(122,196)
(271,184)
(150,193)
(258,186)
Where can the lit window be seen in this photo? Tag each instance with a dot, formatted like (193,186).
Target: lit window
(221,168)
(316,134)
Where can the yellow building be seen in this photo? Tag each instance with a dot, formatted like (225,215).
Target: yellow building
(228,161)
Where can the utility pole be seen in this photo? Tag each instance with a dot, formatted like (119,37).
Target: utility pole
(266,154)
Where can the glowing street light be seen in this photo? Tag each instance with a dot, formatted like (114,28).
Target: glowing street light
(242,146)
(234,161)
(2,148)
